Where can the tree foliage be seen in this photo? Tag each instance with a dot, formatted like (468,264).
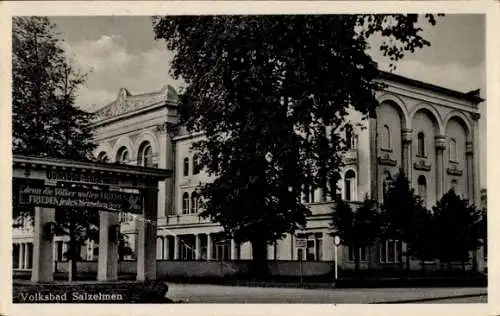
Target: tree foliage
(399,209)
(460,228)
(276,87)
(358,228)
(402,212)
(45,120)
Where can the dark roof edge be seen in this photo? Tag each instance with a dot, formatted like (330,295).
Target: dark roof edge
(472,96)
(113,167)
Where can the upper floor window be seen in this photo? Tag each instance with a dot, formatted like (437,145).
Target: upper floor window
(122,155)
(145,157)
(386,137)
(334,186)
(349,137)
(453,150)
(422,188)
(350,185)
(186,167)
(102,157)
(421,144)
(308,194)
(196,164)
(195,203)
(185,203)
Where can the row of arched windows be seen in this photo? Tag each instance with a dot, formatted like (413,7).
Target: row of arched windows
(186,165)
(421,152)
(190,205)
(144,156)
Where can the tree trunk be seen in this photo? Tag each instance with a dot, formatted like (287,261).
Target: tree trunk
(407,262)
(259,267)
(356,262)
(474,261)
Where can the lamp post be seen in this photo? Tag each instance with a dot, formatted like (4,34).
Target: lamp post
(336,241)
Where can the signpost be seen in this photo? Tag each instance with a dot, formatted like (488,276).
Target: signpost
(301,244)
(336,241)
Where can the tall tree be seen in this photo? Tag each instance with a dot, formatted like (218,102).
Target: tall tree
(357,229)
(400,209)
(276,87)
(460,230)
(45,120)
(421,241)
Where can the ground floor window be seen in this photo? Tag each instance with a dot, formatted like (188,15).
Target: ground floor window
(390,251)
(187,248)
(362,252)
(309,247)
(15,256)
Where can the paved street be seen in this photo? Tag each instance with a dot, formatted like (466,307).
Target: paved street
(193,293)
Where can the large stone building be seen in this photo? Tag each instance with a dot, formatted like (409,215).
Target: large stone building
(429,131)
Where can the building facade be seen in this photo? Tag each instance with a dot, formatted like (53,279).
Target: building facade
(430,132)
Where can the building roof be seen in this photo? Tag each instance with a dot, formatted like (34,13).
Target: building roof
(471,96)
(126,102)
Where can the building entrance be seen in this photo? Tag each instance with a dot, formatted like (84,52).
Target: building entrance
(46,184)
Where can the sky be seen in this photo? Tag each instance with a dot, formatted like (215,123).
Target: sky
(120,51)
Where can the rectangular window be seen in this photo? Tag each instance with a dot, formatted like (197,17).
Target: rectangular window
(59,251)
(187,252)
(15,256)
(390,251)
(362,252)
(312,249)
(222,251)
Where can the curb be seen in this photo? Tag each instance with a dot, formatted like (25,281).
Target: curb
(430,299)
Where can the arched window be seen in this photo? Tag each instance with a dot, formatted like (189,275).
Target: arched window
(122,156)
(421,144)
(387,184)
(195,203)
(196,165)
(348,136)
(422,189)
(186,167)
(102,157)
(453,150)
(386,137)
(145,157)
(333,186)
(350,185)
(185,203)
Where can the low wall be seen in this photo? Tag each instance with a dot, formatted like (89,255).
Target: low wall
(292,268)
(81,266)
(189,269)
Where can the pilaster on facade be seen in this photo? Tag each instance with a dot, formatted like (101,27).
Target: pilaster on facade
(469,156)
(441,143)
(406,139)
(476,172)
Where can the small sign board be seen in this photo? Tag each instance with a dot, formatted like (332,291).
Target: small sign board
(49,196)
(301,243)
(336,240)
